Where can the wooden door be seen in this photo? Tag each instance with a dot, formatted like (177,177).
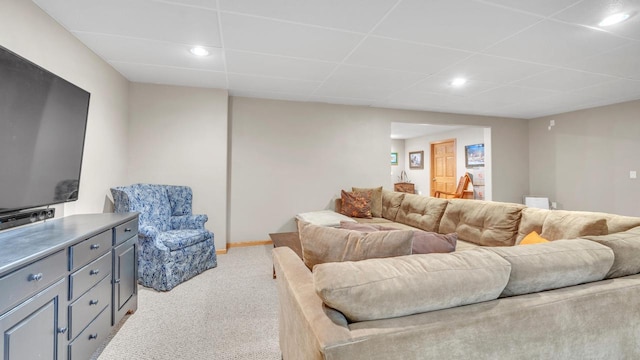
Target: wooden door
(443,166)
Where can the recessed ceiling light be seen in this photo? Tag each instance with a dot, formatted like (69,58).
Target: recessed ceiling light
(199,51)
(458,81)
(614,19)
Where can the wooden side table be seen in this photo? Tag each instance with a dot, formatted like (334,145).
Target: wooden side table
(405,187)
(290,239)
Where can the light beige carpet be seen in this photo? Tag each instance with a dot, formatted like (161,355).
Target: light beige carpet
(229,312)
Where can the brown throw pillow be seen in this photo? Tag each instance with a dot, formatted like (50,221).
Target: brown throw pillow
(324,244)
(356,204)
(376,199)
(424,242)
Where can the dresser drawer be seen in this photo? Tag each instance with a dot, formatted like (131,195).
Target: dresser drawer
(125,231)
(88,306)
(84,279)
(91,338)
(90,249)
(30,279)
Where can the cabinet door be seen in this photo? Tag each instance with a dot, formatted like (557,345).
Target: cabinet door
(35,328)
(125,278)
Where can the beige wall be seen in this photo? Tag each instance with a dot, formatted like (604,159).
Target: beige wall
(178,136)
(291,157)
(398,147)
(29,32)
(583,162)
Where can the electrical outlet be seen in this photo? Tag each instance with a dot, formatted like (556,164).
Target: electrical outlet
(552,123)
(554,205)
(633,174)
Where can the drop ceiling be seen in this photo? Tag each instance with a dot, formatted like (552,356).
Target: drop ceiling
(522,58)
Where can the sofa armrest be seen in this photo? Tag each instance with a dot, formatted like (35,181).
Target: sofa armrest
(307,327)
(188,222)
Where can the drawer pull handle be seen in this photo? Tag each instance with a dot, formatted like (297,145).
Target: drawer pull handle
(116,281)
(95,247)
(94,272)
(62,330)
(93,302)
(35,277)
(93,336)
(127,230)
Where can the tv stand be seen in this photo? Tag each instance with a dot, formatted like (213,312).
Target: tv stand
(77,275)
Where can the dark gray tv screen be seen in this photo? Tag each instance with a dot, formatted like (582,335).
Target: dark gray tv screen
(43,120)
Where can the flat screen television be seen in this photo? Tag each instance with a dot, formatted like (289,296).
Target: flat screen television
(43,119)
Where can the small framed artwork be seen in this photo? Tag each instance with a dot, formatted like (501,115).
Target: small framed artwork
(416,160)
(474,155)
(394,158)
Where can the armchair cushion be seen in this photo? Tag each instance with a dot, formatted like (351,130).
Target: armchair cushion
(180,239)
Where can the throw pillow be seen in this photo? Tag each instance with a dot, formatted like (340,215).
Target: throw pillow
(356,204)
(323,244)
(533,238)
(424,242)
(376,199)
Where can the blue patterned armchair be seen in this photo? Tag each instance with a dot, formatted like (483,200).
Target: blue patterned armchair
(174,244)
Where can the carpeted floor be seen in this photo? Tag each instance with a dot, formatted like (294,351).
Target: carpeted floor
(229,312)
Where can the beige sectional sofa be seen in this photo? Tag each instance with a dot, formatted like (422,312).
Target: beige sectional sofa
(576,297)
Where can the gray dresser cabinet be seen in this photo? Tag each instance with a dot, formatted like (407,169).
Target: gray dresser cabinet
(65,284)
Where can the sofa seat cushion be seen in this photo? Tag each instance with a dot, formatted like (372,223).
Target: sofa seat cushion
(552,265)
(422,212)
(484,223)
(323,218)
(180,239)
(626,248)
(465,245)
(562,224)
(373,220)
(326,244)
(424,242)
(386,288)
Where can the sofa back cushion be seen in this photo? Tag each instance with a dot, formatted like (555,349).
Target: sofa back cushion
(391,201)
(553,265)
(325,244)
(482,222)
(531,220)
(626,248)
(563,224)
(422,212)
(385,288)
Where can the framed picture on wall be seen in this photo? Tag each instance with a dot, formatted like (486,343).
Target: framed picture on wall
(394,158)
(416,160)
(474,155)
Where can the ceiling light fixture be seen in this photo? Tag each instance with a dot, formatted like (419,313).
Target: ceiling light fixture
(614,19)
(199,51)
(458,81)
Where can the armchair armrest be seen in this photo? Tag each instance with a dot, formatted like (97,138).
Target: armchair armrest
(188,222)
(147,238)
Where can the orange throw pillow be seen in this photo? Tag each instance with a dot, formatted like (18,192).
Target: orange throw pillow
(356,204)
(533,238)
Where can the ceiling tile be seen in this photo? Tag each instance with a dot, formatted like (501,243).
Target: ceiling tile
(277,66)
(402,55)
(155,74)
(354,15)
(418,98)
(590,13)
(269,95)
(280,38)
(207,4)
(139,19)
(540,7)
(506,95)
(366,83)
(493,69)
(459,24)
(564,80)
(623,62)
(340,100)
(554,43)
(268,84)
(618,89)
(122,49)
